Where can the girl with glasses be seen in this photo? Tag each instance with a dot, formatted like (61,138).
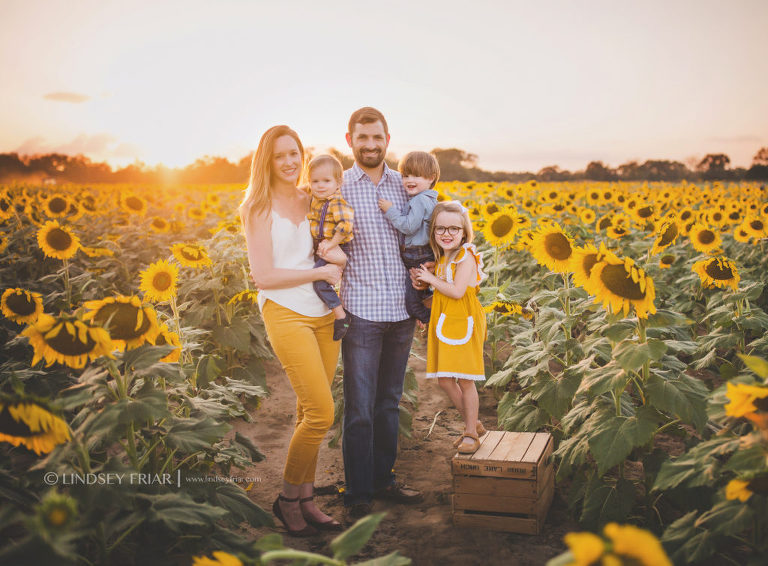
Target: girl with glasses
(457,326)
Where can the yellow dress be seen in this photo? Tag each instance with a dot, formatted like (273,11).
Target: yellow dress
(457,327)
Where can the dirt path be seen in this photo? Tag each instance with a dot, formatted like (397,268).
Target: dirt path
(424,532)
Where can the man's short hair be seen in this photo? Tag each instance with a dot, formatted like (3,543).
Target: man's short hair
(367,115)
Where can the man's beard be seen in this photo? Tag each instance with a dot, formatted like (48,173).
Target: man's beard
(369,159)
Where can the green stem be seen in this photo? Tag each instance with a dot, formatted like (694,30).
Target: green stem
(128,531)
(643,340)
(291,554)
(665,426)
(567,309)
(67,284)
(131,437)
(215,298)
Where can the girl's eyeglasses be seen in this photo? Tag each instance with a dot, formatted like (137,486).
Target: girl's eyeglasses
(452,230)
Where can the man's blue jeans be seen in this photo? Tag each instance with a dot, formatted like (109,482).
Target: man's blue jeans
(375,356)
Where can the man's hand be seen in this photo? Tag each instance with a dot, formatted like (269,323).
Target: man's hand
(384,204)
(415,271)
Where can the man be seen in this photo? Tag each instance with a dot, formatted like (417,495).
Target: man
(376,347)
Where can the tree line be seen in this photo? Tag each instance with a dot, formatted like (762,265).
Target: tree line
(455,165)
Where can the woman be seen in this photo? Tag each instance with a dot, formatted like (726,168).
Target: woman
(299,325)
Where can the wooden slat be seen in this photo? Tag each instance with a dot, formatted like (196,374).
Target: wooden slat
(536,449)
(520,447)
(506,444)
(501,504)
(509,522)
(490,440)
(495,486)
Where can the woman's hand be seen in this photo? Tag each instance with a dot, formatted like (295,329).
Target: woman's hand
(330,273)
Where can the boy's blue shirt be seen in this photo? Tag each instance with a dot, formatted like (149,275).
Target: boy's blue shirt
(413,221)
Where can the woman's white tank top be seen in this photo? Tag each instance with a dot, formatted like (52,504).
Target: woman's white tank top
(292,248)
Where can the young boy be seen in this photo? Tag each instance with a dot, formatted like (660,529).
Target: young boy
(330,221)
(420,172)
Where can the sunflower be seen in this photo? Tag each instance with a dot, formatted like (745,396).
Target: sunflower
(490,208)
(21,306)
(501,227)
(133,204)
(4,241)
(704,239)
(738,489)
(643,213)
(97,252)
(740,234)
(508,308)
(168,338)
(196,213)
(638,545)
(57,241)
(158,281)
(56,206)
(618,284)
(587,216)
(754,226)
(129,321)
(553,247)
(616,231)
(30,425)
(666,234)
(160,225)
(604,222)
(191,255)
(581,263)
(666,261)
(717,272)
(594,197)
(6,206)
(524,241)
(56,511)
(244,296)
(219,559)
(67,340)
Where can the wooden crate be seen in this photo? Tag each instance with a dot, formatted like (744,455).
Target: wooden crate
(507,485)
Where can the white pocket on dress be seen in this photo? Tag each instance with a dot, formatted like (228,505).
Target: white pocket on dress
(448,326)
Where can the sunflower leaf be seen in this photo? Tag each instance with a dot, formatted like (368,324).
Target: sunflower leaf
(682,396)
(757,365)
(146,355)
(614,438)
(190,435)
(632,355)
(605,502)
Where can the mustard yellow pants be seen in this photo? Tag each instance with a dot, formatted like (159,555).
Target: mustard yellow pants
(306,349)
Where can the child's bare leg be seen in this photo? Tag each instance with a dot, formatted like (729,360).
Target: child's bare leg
(451,388)
(337,257)
(471,404)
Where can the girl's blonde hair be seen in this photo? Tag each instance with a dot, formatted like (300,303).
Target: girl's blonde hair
(258,194)
(325,159)
(466,224)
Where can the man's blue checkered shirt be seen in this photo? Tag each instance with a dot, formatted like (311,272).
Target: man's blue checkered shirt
(373,285)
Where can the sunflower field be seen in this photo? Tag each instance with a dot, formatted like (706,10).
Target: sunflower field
(627,319)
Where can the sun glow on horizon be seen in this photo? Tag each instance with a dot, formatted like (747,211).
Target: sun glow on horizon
(521,86)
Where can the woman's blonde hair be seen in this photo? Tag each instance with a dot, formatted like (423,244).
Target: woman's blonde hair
(466,224)
(258,194)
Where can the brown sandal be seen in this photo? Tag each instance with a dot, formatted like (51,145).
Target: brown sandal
(464,448)
(480,429)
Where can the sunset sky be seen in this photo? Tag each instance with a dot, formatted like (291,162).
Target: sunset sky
(521,84)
